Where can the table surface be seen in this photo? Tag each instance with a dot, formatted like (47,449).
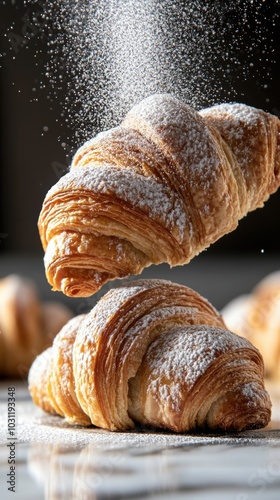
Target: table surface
(56,461)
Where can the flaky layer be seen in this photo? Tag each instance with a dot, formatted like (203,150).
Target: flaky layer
(200,377)
(253,136)
(61,385)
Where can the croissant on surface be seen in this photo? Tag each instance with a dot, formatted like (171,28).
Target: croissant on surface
(161,187)
(256,316)
(27,325)
(152,353)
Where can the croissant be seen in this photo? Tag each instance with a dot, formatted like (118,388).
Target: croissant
(161,187)
(152,353)
(256,316)
(27,325)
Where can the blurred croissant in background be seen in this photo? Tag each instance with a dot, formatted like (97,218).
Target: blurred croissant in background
(256,316)
(27,326)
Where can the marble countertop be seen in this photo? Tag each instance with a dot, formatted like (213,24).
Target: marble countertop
(56,461)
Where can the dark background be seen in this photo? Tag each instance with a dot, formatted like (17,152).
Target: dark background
(32,157)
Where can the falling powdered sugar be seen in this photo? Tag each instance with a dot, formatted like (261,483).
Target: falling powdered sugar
(111,54)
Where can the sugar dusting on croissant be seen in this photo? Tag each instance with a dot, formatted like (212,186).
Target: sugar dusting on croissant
(161,187)
(153,353)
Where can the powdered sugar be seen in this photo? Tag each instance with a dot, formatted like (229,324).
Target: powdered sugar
(231,120)
(117,53)
(185,353)
(252,392)
(98,317)
(116,300)
(156,315)
(151,197)
(181,128)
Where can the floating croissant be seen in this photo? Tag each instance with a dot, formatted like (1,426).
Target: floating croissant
(27,325)
(153,353)
(161,187)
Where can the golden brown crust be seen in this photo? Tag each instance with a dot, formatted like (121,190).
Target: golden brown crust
(155,353)
(38,377)
(161,187)
(255,149)
(61,381)
(200,377)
